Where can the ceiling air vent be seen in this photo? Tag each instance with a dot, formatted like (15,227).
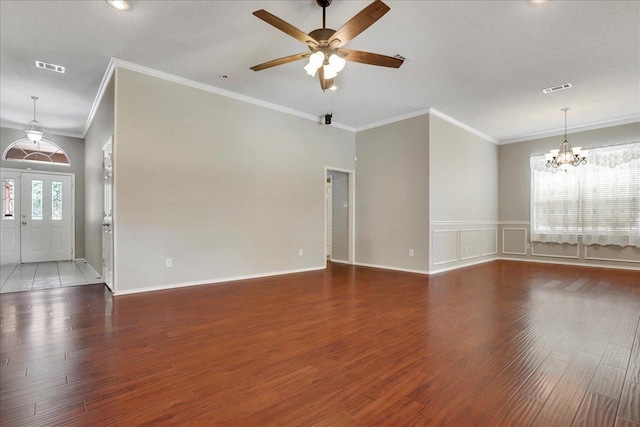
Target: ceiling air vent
(557,88)
(50,67)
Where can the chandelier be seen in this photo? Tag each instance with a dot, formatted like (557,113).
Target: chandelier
(35,131)
(566,155)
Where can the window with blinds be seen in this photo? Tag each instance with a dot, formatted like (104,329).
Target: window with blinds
(599,201)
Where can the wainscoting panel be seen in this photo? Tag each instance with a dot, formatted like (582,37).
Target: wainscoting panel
(456,244)
(514,241)
(612,253)
(555,250)
(516,246)
(488,241)
(469,244)
(445,246)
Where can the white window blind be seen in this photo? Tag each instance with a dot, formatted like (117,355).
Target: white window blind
(599,201)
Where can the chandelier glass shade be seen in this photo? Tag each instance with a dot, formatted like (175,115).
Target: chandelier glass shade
(35,130)
(566,156)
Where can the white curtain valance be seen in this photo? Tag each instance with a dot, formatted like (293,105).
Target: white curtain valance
(610,156)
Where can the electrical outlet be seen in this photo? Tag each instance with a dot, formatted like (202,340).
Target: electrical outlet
(466,248)
(528,245)
(410,252)
(300,252)
(168,263)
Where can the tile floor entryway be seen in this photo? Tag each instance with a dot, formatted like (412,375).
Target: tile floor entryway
(46,275)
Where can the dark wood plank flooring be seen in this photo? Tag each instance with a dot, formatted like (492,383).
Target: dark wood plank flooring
(502,343)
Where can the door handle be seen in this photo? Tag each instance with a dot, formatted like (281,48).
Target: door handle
(24,222)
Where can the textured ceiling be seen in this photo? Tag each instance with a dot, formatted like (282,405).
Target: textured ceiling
(483,63)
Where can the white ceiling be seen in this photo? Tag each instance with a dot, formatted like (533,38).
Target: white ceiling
(483,63)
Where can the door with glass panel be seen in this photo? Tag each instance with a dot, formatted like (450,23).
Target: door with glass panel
(46,217)
(10,221)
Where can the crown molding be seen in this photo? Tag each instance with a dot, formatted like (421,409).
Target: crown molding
(436,113)
(462,126)
(394,119)
(101,90)
(114,62)
(574,129)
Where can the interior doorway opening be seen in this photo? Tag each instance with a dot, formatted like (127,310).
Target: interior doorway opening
(339,215)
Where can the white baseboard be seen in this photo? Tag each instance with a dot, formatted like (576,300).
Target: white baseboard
(214,281)
(577,264)
(340,261)
(384,267)
(387,267)
(466,264)
(440,270)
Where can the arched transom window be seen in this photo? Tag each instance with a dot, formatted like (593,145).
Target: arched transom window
(24,150)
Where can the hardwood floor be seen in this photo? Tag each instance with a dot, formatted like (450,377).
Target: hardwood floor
(503,343)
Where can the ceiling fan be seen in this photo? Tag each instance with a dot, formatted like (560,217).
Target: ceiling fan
(327,56)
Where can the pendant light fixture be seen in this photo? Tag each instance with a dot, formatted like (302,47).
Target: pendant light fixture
(35,131)
(566,156)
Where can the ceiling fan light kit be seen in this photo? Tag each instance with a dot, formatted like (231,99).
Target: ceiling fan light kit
(328,56)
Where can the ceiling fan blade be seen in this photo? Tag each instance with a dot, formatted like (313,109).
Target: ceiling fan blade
(286,27)
(371,58)
(280,61)
(363,20)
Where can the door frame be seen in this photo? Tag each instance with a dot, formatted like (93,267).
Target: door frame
(73,203)
(111,287)
(326,222)
(352,210)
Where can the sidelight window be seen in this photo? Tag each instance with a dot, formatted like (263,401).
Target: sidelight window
(8,198)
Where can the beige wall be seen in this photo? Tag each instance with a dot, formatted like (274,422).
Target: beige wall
(392,195)
(463,171)
(74,148)
(223,187)
(100,131)
(463,196)
(515,193)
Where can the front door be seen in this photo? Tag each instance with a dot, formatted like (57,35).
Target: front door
(46,217)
